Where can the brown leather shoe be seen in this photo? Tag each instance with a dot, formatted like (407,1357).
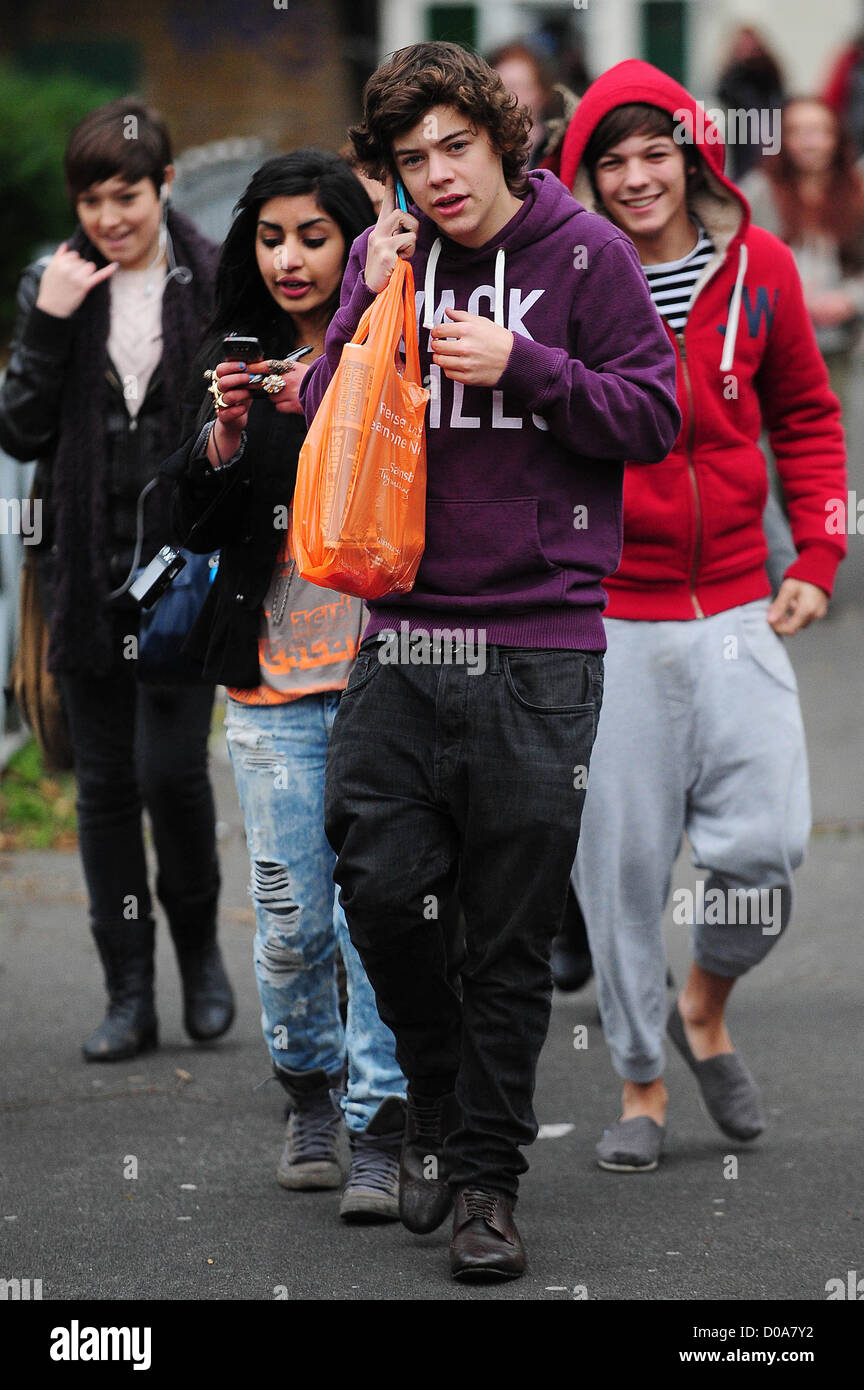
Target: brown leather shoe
(486,1243)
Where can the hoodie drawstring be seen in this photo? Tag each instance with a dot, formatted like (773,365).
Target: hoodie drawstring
(429,286)
(498,310)
(734,313)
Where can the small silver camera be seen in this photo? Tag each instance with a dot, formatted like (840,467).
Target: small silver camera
(157,577)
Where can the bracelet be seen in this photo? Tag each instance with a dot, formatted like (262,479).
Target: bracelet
(216,446)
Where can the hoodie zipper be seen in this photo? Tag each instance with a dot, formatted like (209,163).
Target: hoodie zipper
(697,501)
(691,427)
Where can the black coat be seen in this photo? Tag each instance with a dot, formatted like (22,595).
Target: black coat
(247,526)
(30,418)
(62,403)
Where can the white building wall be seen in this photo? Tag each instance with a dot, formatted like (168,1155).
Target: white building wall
(805,33)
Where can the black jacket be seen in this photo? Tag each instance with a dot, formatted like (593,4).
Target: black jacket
(248,526)
(30,420)
(62,404)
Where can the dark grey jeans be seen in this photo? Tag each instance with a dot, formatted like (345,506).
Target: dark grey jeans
(141,745)
(435,770)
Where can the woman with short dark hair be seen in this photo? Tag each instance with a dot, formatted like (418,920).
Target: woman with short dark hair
(107,329)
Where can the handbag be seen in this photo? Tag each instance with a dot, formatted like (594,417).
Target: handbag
(34,688)
(360,496)
(165,627)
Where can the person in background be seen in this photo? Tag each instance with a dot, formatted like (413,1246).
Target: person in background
(550,105)
(107,329)
(284,648)
(701,729)
(844,92)
(811,195)
(751,80)
(374,187)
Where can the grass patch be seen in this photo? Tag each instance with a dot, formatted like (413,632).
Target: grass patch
(37,808)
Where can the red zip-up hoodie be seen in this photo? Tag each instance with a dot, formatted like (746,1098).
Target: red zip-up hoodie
(747,360)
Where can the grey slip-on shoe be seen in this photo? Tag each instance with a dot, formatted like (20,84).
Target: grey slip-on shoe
(730,1094)
(631,1146)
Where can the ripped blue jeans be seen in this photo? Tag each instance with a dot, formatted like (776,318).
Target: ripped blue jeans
(279,755)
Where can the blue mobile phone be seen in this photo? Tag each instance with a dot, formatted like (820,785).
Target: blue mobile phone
(400,195)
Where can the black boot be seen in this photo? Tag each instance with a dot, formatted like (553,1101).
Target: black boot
(129,1026)
(425,1197)
(208,1000)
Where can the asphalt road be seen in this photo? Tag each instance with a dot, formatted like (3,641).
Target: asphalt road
(205,1220)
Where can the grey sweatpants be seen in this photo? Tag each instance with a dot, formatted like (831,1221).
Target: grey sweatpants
(700,731)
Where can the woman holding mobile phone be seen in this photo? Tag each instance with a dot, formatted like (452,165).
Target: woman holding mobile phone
(284,648)
(106,331)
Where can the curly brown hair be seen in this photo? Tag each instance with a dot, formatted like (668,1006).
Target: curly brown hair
(414,79)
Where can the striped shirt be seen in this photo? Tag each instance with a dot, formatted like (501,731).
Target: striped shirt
(672,283)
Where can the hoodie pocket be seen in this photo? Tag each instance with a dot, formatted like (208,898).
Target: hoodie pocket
(480,550)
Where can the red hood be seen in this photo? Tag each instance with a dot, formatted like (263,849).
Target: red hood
(633,81)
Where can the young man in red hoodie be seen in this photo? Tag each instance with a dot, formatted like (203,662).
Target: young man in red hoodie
(701,729)
(548,366)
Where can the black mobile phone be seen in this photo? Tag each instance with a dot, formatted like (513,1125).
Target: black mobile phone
(242,347)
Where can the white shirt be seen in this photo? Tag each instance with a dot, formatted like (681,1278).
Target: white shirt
(135,336)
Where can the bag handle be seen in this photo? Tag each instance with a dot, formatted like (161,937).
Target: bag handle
(409,328)
(401,286)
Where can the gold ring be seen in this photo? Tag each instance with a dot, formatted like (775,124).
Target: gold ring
(221,403)
(276,366)
(273,385)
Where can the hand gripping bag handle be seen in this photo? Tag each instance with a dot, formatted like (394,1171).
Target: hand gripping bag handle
(392,316)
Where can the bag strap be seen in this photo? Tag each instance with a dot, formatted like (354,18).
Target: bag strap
(412,342)
(401,283)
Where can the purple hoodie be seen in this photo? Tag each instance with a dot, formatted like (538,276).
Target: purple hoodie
(523,509)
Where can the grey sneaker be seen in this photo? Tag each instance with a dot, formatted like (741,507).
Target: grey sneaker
(372,1190)
(310,1158)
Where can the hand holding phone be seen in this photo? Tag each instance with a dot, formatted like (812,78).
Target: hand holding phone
(242,347)
(394,234)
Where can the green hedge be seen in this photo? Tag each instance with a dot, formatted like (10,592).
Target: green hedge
(36,117)
(37,808)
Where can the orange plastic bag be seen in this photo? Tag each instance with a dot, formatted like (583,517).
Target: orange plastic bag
(360,496)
